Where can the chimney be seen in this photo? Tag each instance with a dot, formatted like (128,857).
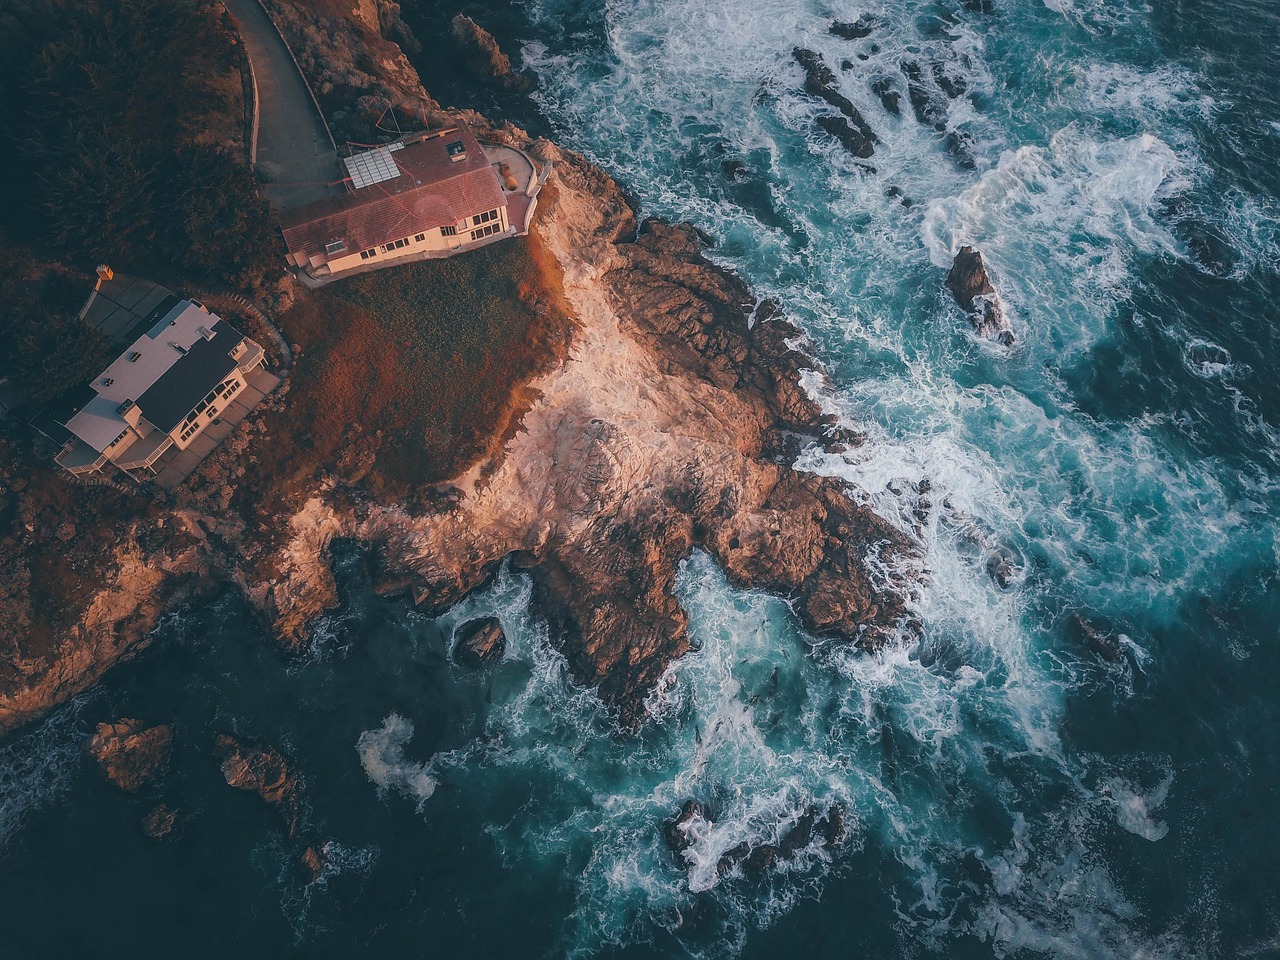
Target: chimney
(105,272)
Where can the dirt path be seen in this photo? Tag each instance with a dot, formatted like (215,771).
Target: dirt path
(296,159)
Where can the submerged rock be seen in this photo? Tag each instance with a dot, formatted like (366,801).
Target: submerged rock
(676,830)
(159,823)
(828,828)
(971,286)
(130,754)
(264,771)
(484,58)
(480,642)
(1095,638)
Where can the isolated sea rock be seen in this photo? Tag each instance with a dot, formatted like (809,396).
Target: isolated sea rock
(484,58)
(860,28)
(971,286)
(159,823)
(1095,638)
(264,771)
(480,642)
(313,861)
(130,754)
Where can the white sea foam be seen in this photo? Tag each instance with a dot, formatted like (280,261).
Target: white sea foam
(382,756)
(1078,160)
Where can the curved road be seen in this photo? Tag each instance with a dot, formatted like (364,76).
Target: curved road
(296,159)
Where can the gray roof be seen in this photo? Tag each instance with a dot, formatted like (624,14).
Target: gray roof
(206,364)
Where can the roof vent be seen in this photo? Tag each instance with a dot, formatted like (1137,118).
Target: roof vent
(457,150)
(205,332)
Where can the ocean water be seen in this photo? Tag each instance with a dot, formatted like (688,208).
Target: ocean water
(1010,788)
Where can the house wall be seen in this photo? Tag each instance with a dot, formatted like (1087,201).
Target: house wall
(434,240)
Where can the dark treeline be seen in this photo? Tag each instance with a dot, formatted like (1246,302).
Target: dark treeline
(104,144)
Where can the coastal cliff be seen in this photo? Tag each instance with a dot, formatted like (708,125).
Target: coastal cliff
(663,420)
(664,429)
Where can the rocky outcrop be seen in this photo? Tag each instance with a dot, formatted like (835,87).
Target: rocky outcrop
(131,754)
(850,128)
(668,427)
(263,771)
(480,642)
(484,58)
(971,286)
(159,823)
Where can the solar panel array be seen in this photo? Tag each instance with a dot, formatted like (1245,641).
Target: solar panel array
(372,166)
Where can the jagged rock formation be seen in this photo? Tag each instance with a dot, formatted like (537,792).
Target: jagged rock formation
(265,772)
(971,286)
(130,754)
(484,58)
(668,427)
(480,642)
(850,128)
(662,432)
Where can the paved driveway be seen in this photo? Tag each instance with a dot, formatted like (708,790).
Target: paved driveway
(296,160)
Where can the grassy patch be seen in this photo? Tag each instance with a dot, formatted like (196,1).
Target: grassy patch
(409,375)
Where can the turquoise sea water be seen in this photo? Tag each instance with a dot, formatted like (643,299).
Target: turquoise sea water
(1011,790)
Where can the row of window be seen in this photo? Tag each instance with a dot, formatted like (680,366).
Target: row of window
(447,231)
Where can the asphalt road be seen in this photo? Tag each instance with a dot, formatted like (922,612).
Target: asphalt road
(296,160)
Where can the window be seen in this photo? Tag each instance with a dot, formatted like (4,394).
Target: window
(337,246)
(364,254)
(457,150)
(486,231)
(484,218)
(420,237)
(448,231)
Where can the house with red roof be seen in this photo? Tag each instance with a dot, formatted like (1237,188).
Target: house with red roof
(430,194)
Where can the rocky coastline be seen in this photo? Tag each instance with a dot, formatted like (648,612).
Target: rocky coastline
(667,424)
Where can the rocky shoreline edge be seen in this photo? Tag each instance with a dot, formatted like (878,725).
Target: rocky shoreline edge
(668,425)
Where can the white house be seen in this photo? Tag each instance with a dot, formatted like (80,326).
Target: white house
(161,393)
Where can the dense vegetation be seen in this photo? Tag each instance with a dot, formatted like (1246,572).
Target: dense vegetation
(48,346)
(120,139)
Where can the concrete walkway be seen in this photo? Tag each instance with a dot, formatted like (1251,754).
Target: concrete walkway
(296,160)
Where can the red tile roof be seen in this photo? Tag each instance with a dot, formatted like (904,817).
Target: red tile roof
(431,191)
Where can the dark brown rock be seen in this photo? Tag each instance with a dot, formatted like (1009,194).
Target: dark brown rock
(971,286)
(313,862)
(856,136)
(130,754)
(264,771)
(480,642)
(484,58)
(159,823)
